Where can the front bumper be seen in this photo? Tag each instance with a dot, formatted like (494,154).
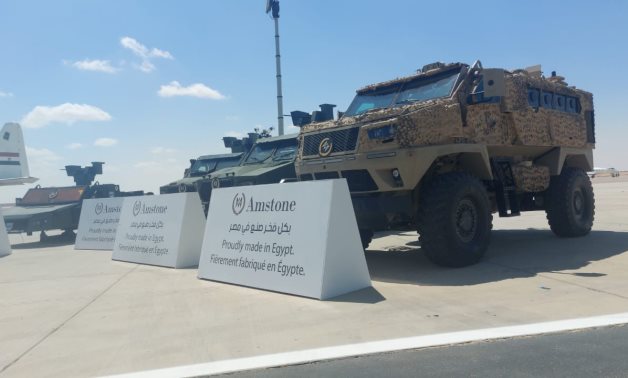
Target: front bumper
(365,173)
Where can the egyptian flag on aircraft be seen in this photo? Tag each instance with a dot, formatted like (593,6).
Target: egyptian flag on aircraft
(9,158)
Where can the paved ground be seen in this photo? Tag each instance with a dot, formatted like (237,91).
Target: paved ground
(77,313)
(590,353)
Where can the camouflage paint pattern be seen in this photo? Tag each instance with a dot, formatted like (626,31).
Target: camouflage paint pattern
(532,128)
(438,122)
(468,118)
(541,126)
(511,122)
(488,125)
(533,178)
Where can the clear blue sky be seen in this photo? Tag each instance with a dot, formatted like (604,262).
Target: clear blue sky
(56,54)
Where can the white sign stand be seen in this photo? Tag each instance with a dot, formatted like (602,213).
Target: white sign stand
(98,223)
(164,230)
(5,245)
(297,238)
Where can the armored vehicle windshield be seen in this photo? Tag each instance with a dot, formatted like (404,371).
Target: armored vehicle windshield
(400,93)
(281,150)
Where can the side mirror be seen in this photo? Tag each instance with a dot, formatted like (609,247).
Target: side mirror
(494,82)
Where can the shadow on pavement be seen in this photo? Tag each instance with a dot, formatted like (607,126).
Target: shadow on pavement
(512,254)
(367,296)
(51,241)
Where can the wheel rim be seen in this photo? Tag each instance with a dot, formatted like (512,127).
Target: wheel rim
(466,220)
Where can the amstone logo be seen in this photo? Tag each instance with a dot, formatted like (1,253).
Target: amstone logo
(238,204)
(137,207)
(98,209)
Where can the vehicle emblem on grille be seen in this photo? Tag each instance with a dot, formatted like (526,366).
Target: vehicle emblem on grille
(53,194)
(183,188)
(325,147)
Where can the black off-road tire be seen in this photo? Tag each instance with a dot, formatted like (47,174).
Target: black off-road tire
(571,206)
(366,236)
(454,220)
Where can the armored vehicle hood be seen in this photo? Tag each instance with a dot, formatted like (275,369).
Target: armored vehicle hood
(250,170)
(185,184)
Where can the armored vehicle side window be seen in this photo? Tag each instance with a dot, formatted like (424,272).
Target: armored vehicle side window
(226,163)
(202,167)
(550,100)
(422,90)
(285,153)
(6,135)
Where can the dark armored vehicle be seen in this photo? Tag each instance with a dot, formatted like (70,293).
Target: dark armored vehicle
(200,168)
(270,160)
(203,166)
(59,208)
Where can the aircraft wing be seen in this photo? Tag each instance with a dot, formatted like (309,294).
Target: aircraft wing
(18,181)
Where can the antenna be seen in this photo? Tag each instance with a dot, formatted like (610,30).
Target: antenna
(273,5)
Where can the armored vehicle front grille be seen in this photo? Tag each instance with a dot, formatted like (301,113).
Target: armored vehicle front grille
(326,175)
(359,180)
(342,141)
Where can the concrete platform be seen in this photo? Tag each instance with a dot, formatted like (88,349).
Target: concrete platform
(77,313)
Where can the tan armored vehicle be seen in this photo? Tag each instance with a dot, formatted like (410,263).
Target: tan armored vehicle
(442,150)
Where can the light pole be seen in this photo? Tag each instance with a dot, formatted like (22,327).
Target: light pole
(273,5)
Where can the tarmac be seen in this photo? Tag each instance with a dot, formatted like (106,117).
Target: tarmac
(78,313)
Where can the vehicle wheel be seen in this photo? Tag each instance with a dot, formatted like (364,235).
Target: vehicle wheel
(571,206)
(454,220)
(366,236)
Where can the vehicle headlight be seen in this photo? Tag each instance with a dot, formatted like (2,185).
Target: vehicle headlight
(384,132)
